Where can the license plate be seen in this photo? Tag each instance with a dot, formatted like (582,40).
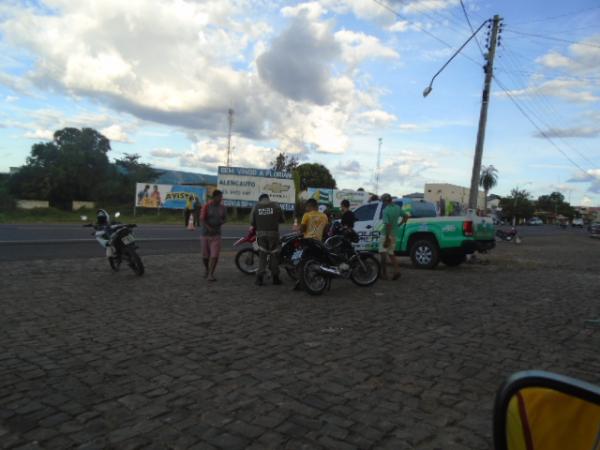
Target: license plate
(127,239)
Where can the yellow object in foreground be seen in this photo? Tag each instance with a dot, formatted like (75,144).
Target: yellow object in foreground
(545,419)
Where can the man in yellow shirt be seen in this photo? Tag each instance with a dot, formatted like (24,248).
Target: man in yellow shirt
(313,221)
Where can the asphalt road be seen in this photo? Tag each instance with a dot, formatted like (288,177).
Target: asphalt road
(45,241)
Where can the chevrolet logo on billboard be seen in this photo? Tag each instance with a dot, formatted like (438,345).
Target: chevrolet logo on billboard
(276,187)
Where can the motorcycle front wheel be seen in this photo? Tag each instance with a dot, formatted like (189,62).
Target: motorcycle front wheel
(313,280)
(246,261)
(134,260)
(367,275)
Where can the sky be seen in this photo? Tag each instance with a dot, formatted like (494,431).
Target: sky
(321,80)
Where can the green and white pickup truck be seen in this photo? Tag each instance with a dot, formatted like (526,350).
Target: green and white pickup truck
(426,238)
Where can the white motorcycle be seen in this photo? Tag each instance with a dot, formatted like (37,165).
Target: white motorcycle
(118,240)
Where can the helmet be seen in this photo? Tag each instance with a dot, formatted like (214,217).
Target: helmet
(102,217)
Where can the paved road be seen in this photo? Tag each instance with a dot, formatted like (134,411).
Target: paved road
(29,242)
(92,359)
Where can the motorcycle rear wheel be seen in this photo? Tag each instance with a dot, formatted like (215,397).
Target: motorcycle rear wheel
(115,263)
(313,281)
(134,260)
(368,276)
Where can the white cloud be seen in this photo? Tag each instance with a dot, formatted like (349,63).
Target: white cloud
(115,133)
(570,132)
(587,201)
(579,91)
(312,10)
(421,6)
(399,26)
(357,47)
(165,153)
(46,135)
(591,176)
(583,57)
(351,167)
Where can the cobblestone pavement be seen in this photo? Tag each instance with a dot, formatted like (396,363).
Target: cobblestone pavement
(91,359)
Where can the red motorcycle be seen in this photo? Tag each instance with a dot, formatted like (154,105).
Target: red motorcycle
(289,254)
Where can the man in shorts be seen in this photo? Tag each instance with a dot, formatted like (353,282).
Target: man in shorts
(387,240)
(213,217)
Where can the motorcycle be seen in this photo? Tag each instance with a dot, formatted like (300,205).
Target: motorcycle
(119,242)
(510,235)
(336,258)
(246,259)
(542,410)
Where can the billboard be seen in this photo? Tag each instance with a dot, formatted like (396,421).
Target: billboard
(241,187)
(333,197)
(168,196)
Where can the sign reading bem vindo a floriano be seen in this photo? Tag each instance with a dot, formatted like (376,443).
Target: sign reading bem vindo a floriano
(241,187)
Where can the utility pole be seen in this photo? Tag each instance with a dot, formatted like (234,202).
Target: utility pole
(377,170)
(485,100)
(230,121)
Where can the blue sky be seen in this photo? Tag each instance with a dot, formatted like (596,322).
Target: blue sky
(322,80)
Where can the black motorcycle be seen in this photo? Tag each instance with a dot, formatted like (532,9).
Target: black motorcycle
(118,240)
(335,258)
(510,235)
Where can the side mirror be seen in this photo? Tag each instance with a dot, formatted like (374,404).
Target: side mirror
(83,218)
(542,410)
(117,214)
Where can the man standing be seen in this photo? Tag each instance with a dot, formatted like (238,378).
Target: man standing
(348,218)
(189,208)
(213,217)
(387,240)
(313,221)
(266,217)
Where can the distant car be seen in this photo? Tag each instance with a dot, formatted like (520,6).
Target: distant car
(534,221)
(578,222)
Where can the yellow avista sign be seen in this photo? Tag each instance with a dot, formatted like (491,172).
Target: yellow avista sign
(277,188)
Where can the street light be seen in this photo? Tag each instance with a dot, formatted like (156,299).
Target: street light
(429,88)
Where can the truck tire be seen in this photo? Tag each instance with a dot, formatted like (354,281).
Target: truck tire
(453,260)
(424,253)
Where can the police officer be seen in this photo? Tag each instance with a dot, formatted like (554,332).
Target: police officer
(266,217)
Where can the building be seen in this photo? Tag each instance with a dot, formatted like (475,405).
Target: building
(450,198)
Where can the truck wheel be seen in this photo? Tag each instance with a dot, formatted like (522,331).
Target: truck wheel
(424,254)
(453,260)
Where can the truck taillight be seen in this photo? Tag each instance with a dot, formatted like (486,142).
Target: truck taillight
(468,228)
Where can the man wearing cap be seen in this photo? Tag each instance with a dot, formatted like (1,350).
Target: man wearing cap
(266,217)
(387,240)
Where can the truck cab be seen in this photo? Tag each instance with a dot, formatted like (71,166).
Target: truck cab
(426,238)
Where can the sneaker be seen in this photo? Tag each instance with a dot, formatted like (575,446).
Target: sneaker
(276,279)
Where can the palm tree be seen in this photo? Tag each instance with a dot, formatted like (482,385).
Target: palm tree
(487,180)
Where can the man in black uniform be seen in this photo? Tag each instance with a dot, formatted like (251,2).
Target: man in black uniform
(348,217)
(266,217)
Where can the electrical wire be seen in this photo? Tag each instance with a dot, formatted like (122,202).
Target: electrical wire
(420,28)
(542,132)
(550,38)
(540,104)
(560,16)
(471,27)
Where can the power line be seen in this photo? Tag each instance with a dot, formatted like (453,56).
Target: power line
(551,38)
(560,16)
(471,27)
(542,132)
(420,28)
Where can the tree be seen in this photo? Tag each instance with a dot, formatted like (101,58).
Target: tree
(284,163)
(554,204)
(487,180)
(66,169)
(314,175)
(518,205)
